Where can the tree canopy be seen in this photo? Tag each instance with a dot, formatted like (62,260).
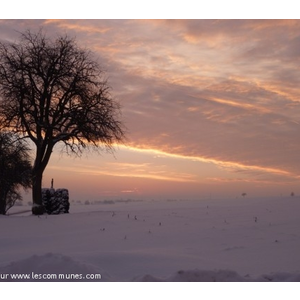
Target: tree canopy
(15,169)
(51,91)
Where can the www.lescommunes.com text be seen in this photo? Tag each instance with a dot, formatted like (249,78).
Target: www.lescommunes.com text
(38,276)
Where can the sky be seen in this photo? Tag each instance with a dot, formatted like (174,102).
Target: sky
(211,107)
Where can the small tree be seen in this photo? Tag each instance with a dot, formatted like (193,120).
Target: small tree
(15,170)
(53,91)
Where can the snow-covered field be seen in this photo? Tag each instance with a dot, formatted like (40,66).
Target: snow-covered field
(206,240)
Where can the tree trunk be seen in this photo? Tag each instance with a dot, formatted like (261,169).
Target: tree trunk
(37,207)
(2,204)
(42,158)
(3,198)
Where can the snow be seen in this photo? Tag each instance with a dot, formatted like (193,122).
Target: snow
(228,240)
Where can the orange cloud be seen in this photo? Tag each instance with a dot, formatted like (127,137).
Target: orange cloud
(229,165)
(135,170)
(68,24)
(240,105)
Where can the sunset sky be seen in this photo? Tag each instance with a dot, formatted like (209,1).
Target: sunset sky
(211,107)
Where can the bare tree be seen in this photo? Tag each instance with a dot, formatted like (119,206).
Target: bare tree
(15,169)
(53,91)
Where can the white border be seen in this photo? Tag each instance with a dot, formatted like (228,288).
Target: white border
(155,9)
(151,291)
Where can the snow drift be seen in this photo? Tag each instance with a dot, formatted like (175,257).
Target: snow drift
(51,267)
(60,268)
(220,276)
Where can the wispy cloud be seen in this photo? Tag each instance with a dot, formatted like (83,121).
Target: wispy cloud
(130,170)
(228,165)
(76,25)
